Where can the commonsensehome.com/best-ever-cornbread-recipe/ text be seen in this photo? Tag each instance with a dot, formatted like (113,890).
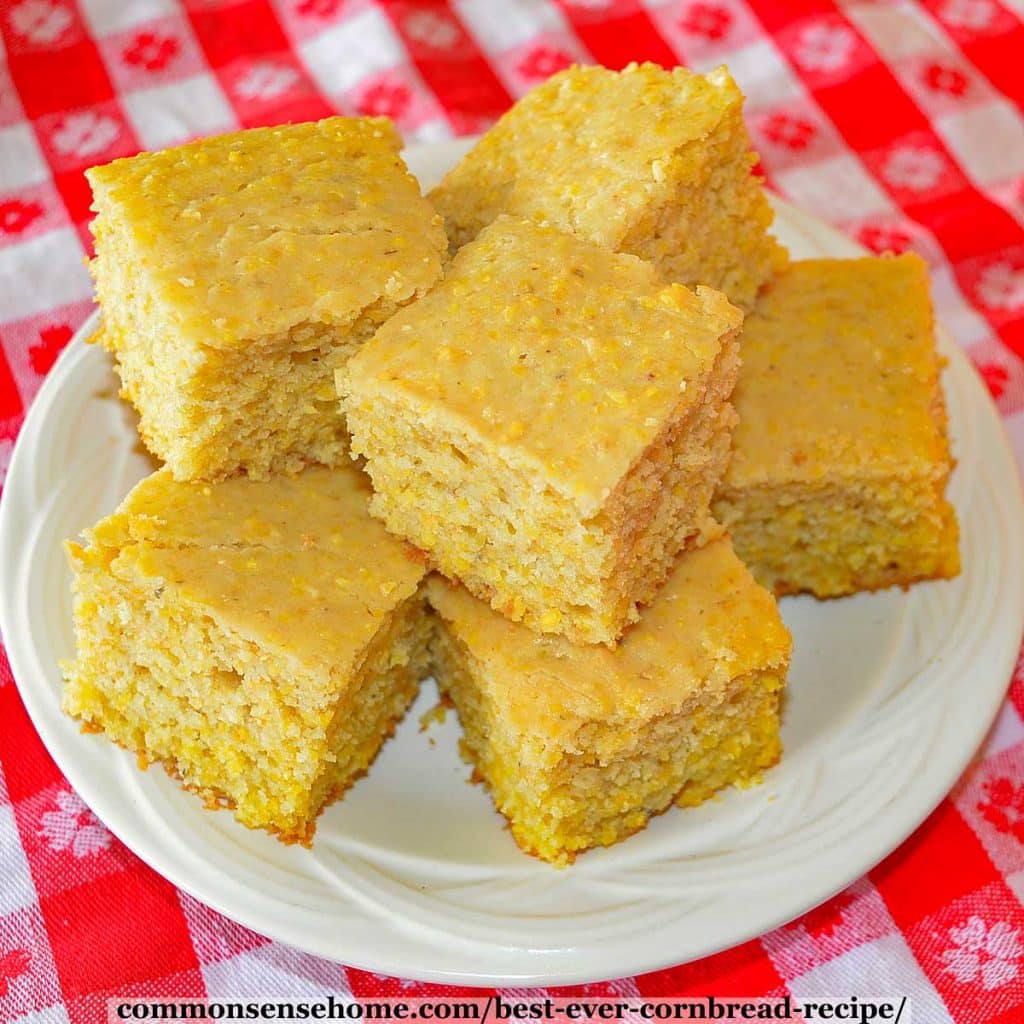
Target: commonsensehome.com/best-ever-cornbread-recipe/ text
(558,433)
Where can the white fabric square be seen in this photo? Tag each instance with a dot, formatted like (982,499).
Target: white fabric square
(987,140)
(1007,731)
(885,968)
(355,47)
(837,189)
(896,31)
(17,891)
(273,972)
(1015,429)
(761,72)
(172,113)
(105,16)
(953,311)
(21,160)
(1016,880)
(498,27)
(55,1014)
(42,273)
(1010,196)
(434,130)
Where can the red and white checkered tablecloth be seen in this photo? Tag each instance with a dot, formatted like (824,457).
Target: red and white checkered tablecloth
(899,122)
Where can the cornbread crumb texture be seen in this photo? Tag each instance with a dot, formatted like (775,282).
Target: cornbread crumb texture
(259,639)
(250,233)
(538,413)
(564,357)
(237,273)
(579,746)
(647,161)
(841,459)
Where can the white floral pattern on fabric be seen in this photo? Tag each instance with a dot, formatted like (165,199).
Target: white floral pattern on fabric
(40,21)
(917,168)
(72,826)
(85,134)
(822,47)
(264,81)
(983,954)
(1001,286)
(972,14)
(431,29)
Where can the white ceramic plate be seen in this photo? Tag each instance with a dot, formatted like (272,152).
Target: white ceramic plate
(413,874)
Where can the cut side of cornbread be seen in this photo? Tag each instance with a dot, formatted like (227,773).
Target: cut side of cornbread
(549,424)
(260,639)
(579,746)
(236,273)
(645,161)
(840,463)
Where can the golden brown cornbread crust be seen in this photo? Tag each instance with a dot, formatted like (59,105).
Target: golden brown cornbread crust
(260,639)
(840,459)
(579,746)
(237,273)
(646,161)
(549,423)
(403,687)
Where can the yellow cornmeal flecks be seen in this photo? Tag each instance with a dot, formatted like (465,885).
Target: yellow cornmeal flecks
(854,339)
(580,745)
(645,160)
(251,233)
(582,150)
(437,714)
(258,638)
(560,494)
(610,350)
(237,273)
(840,458)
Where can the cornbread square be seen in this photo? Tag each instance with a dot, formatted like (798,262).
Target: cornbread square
(841,459)
(550,424)
(260,639)
(579,746)
(236,273)
(646,161)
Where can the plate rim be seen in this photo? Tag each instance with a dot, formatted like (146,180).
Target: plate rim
(627,965)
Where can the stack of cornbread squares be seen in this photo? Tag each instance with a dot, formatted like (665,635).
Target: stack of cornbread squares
(550,467)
